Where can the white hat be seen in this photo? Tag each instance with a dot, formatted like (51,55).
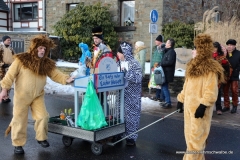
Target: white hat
(139,43)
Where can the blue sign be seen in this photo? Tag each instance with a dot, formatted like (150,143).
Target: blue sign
(108,80)
(154,16)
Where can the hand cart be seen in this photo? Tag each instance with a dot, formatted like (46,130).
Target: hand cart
(110,88)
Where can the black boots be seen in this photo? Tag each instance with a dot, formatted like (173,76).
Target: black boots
(130,142)
(225,109)
(166,106)
(6,100)
(18,150)
(44,143)
(234,109)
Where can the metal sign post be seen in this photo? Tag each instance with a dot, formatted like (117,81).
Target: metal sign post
(153,27)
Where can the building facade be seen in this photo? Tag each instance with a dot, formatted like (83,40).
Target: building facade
(4,13)
(26,15)
(132,17)
(138,11)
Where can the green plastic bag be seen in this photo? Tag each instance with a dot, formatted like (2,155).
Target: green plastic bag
(91,115)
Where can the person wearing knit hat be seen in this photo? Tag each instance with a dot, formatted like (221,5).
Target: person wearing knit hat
(157,54)
(159,38)
(199,94)
(98,47)
(6,59)
(232,42)
(140,55)
(233,56)
(132,92)
(29,72)
(139,44)
(4,38)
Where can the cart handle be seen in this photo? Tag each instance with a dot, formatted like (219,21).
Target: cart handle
(112,144)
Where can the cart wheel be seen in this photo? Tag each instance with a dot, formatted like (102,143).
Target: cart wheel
(96,148)
(67,141)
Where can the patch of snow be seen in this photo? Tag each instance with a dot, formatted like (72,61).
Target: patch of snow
(52,88)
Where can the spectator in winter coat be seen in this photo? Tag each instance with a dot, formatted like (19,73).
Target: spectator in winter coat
(140,54)
(233,57)
(157,54)
(221,58)
(168,64)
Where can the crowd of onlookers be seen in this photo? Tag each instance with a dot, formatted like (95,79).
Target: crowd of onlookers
(227,55)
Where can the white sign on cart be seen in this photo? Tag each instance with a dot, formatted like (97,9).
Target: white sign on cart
(107,65)
(108,77)
(105,81)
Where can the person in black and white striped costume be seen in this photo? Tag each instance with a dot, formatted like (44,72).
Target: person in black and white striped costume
(132,92)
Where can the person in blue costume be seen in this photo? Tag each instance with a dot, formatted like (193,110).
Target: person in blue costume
(85,54)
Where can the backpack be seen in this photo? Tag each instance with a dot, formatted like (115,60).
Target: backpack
(159,76)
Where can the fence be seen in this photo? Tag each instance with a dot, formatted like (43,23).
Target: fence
(17,45)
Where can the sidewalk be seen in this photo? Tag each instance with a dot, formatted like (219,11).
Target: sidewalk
(225,120)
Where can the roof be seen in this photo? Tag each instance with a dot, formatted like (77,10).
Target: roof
(3,6)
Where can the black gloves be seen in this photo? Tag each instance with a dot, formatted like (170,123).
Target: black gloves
(200,111)
(5,65)
(180,106)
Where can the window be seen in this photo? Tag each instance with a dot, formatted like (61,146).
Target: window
(127,13)
(71,6)
(26,12)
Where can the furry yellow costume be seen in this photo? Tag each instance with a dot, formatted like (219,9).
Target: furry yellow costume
(29,72)
(200,90)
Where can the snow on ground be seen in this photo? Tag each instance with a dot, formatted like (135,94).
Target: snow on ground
(61,63)
(56,88)
(147,103)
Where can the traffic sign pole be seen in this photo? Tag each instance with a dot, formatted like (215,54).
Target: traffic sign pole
(152,29)
(150,62)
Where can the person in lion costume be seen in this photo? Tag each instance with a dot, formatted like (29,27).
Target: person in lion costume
(199,94)
(29,72)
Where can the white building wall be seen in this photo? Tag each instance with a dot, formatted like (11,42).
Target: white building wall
(33,26)
(3,21)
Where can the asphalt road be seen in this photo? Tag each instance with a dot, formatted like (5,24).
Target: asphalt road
(157,142)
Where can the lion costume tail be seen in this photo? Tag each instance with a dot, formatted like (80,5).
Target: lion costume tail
(8,130)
